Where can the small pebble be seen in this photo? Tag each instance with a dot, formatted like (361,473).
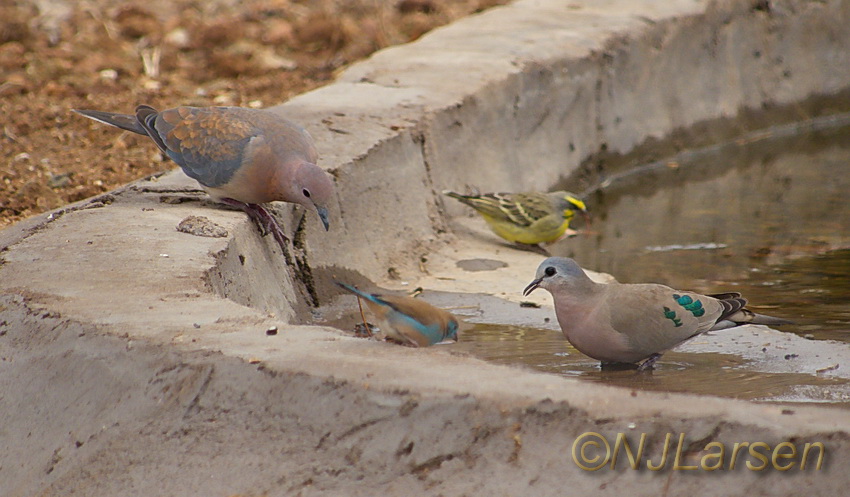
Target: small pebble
(201,226)
(109,74)
(59,180)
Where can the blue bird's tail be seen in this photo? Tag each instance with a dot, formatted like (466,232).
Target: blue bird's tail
(360,293)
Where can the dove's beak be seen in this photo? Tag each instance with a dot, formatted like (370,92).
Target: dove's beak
(531,287)
(323,215)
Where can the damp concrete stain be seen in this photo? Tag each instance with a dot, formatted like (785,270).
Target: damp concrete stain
(475,265)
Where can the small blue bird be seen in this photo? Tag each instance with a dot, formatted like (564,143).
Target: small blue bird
(407,320)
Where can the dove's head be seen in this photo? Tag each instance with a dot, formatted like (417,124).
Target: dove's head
(557,272)
(311,187)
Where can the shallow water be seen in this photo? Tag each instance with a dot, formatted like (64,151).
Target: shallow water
(766,215)
(724,375)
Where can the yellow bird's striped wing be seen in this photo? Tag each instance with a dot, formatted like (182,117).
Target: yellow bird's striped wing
(521,209)
(529,217)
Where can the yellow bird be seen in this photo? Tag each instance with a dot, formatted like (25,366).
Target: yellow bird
(527,218)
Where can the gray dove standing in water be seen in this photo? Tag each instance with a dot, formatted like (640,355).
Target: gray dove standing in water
(627,323)
(241,157)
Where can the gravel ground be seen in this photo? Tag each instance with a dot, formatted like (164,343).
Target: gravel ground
(56,55)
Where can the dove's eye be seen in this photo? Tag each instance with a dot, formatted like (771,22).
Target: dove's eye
(550,271)
(306,192)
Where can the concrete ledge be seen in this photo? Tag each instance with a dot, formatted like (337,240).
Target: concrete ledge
(136,360)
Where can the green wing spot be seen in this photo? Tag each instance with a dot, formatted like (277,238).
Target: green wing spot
(671,315)
(693,306)
(689,304)
(682,300)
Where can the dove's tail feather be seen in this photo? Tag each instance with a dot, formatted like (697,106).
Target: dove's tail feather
(734,313)
(733,305)
(746,316)
(725,296)
(124,121)
(769,320)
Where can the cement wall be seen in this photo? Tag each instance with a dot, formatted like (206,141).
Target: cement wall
(126,371)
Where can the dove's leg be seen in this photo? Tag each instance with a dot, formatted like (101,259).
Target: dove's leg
(617,366)
(263,218)
(649,363)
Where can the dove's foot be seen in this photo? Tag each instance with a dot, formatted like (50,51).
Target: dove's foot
(617,366)
(649,363)
(264,219)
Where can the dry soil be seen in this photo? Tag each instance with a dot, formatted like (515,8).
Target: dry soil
(56,55)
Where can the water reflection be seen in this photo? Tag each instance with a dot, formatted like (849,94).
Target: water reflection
(706,373)
(767,215)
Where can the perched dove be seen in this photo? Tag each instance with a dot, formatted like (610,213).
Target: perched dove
(626,323)
(241,157)
(407,320)
(527,218)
